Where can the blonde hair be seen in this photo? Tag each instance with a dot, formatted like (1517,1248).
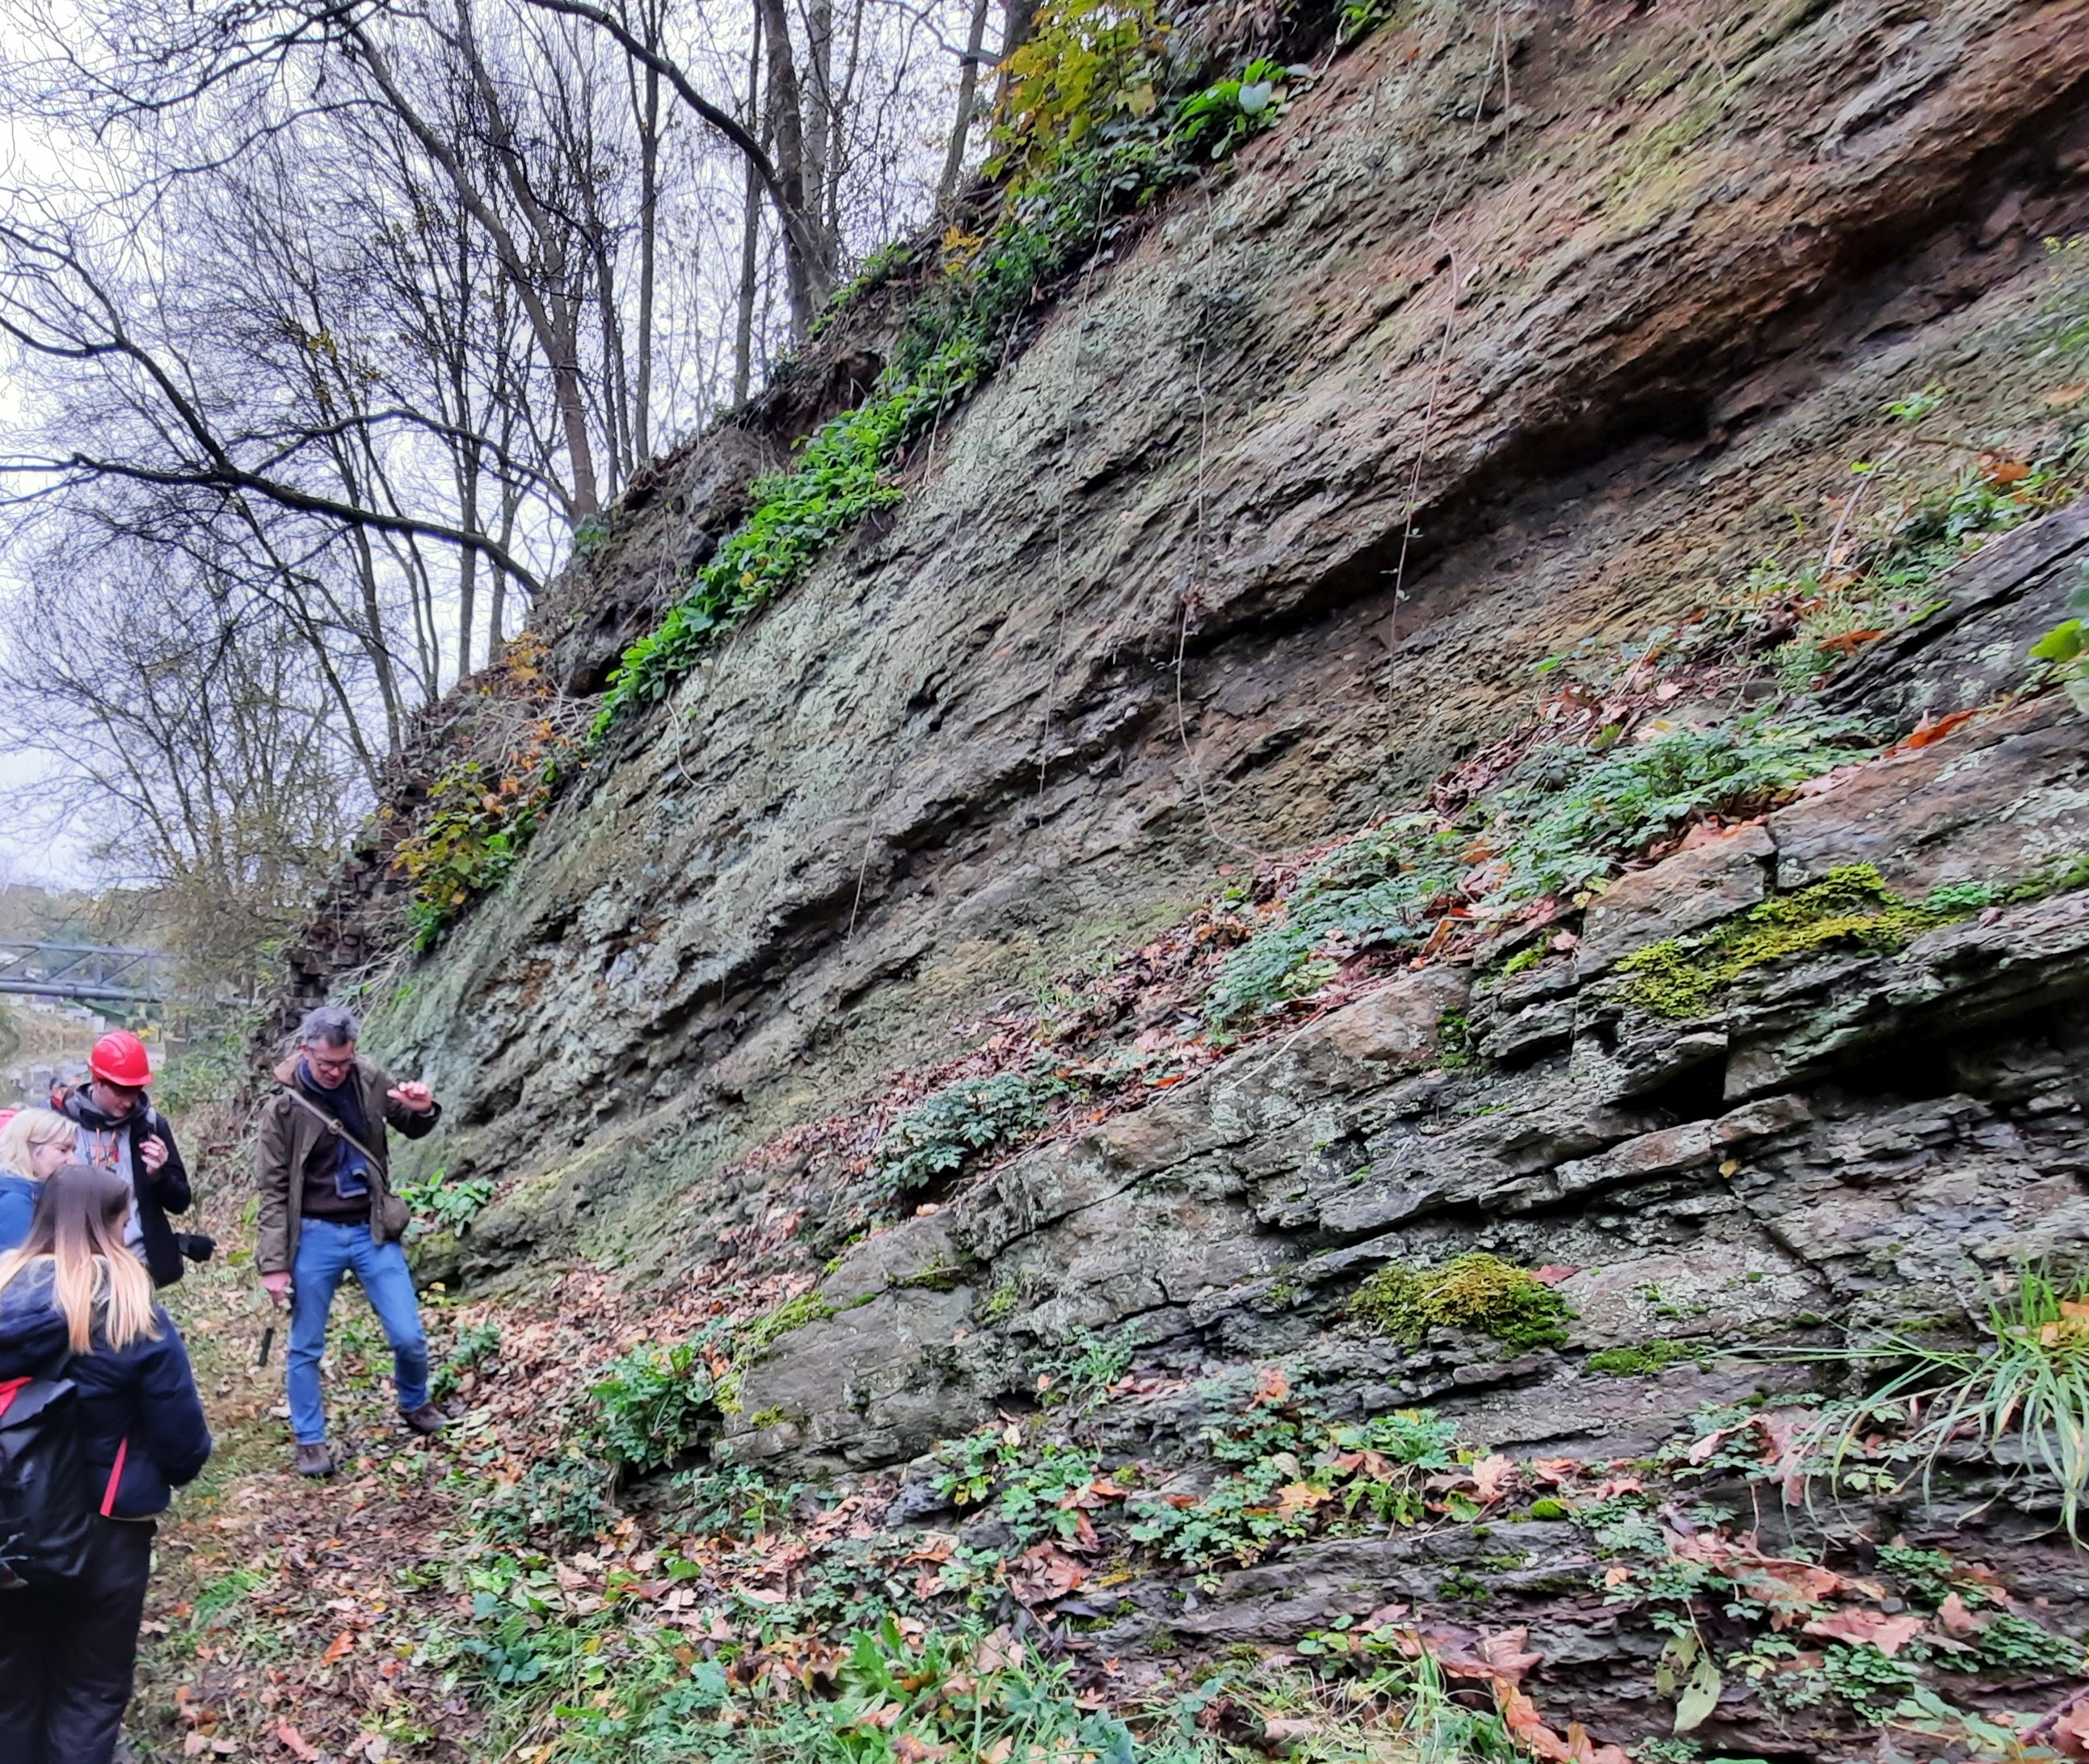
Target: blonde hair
(78,1228)
(29,1129)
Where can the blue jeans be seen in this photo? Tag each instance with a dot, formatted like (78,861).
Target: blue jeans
(326,1250)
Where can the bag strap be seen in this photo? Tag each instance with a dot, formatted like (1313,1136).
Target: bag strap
(9,1391)
(332,1123)
(115,1478)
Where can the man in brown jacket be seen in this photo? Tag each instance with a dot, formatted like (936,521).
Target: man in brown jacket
(327,1210)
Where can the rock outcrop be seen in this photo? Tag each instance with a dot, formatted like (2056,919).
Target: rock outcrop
(1526,334)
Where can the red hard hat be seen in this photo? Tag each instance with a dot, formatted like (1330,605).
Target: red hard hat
(119,1057)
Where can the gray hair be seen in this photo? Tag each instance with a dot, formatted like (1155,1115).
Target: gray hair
(328,1026)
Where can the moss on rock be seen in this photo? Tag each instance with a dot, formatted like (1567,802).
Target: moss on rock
(1852,906)
(1644,1359)
(1479,1293)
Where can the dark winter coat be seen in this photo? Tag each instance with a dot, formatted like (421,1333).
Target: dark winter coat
(144,1394)
(291,1129)
(158,1194)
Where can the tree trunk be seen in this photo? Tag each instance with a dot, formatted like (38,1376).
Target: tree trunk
(649,214)
(807,267)
(953,161)
(750,233)
(1017,18)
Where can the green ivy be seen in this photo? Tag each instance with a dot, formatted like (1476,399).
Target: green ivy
(798,515)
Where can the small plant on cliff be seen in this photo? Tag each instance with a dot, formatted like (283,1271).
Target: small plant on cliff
(477,827)
(891,260)
(654,1402)
(1293,1474)
(452,1202)
(935,1139)
(2064,651)
(1226,112)
(1377,891)
(1476,1292)
(1566,816)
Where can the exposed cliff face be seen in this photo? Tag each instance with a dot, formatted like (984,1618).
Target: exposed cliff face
(1526,331)
(1138,615)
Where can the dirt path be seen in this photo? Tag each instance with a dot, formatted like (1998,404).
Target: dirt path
(297,1619)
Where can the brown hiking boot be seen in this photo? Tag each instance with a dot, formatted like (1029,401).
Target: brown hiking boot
(428,1418)
(315,1460)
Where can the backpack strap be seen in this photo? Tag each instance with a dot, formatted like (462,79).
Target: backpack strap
(9,1391)
(331,1124)
(115,1478)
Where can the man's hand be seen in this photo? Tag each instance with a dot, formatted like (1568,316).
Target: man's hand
(415,1096)
(153,1153)
(277,1286)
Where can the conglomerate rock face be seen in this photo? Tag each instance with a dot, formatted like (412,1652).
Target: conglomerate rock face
(1526,331)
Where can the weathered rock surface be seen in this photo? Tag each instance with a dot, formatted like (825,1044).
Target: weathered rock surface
(1452,373)
(1851,1135)
(1140,612)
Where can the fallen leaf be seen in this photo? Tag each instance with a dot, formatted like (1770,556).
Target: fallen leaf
(1848,642)
(297,1744)
(2071,1731)
(1519,1715)
(2061,397)
(1926,732)
(1889,1635)
(1505,1651)
(1958,1621)
(337,1649)
(1043,1574)
(1270,1388)
(1492,1476)
(1287,1730)
(1295,1498)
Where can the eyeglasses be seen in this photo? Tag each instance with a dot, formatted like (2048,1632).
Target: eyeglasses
(319,1063)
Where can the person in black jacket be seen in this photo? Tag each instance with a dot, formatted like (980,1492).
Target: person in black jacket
(76,1304)
(120,1130)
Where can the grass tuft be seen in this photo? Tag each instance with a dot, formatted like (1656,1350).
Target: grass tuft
(2024,1393)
